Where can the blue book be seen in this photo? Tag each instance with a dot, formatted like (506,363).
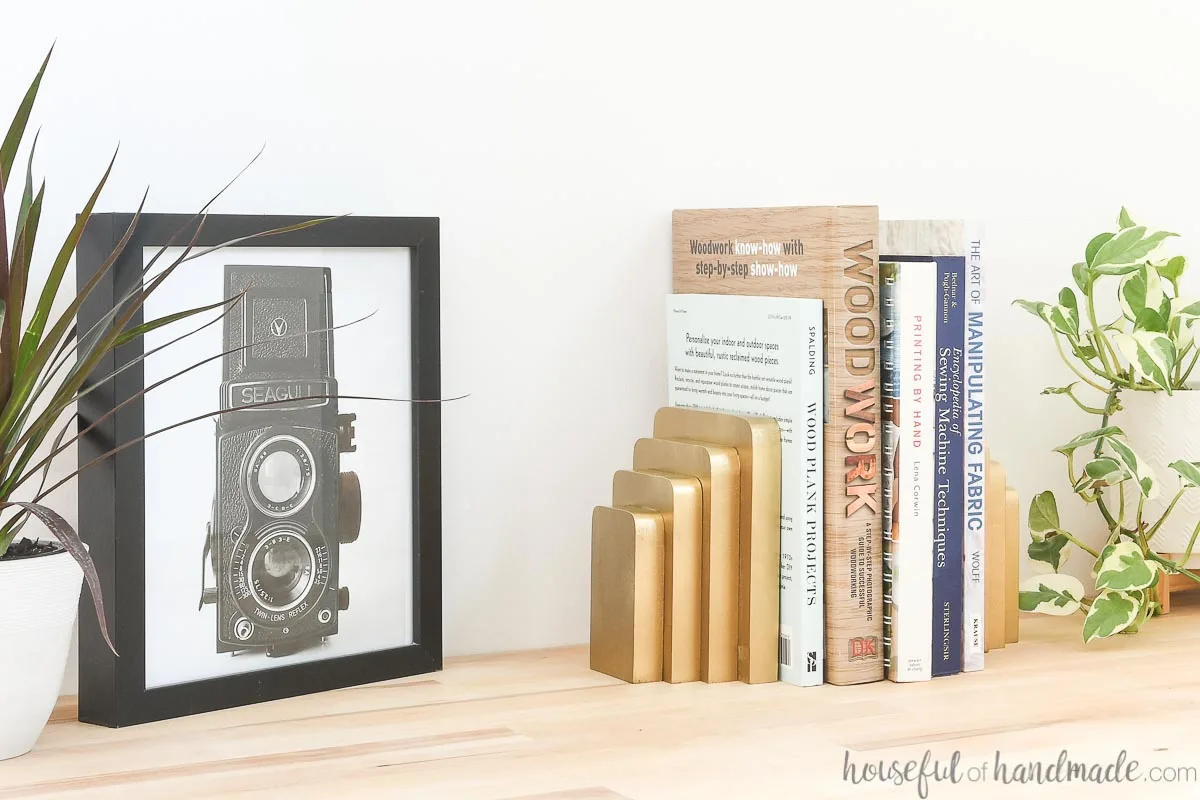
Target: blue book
(948,532)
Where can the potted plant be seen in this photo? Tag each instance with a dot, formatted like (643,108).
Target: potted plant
(1129,338)
(46,365)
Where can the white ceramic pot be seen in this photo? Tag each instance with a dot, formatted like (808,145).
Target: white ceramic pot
(39,603)
(1162,429)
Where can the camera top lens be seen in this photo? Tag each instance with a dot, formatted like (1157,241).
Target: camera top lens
(280,477)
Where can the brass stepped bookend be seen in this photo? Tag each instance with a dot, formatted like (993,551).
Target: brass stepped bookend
(679,500)
(1002,560)
(718,470)
(627,593)
(758,444)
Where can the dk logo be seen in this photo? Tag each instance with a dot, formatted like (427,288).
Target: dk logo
(863,647)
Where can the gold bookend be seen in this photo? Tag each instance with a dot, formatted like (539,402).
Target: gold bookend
(1012,566)
(627,593)
(757,441)
(1002,561)
(680,501)
(718,469)
(994,557)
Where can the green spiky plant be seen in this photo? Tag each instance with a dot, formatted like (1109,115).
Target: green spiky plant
(46,364)
(1150,346)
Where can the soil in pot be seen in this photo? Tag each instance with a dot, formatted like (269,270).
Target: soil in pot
(31,548)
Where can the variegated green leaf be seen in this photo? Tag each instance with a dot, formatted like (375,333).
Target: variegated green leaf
(1122,567)
(1101,472)
(1111,612)
(1151,321)
(1057,595)
(1189,471)
(1069,306)
(1037,308)
(1043,513)
(1185,307)
(1049,550)
(1142,290)
(1090,437)
(1172,269)
(1151,355)
(1142,615)
(1123,220)
(1130,246)
(1062,321)
(1060,389)
(1083,276)
(1093,247)
(1142,474)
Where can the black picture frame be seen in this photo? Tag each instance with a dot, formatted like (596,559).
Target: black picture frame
(112,689)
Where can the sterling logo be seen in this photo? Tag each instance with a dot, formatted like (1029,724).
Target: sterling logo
(279,326)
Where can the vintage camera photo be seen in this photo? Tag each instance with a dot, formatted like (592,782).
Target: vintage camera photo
(294,500)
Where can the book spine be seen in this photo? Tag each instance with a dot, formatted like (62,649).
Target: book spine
(947,647)
(853,510)
(975,457)
(909,496)
(812,620)
(889,335)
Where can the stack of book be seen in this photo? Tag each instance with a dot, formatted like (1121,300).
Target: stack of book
(865,341)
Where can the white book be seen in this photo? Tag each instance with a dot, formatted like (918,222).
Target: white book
(764,356)
(974,453)
(910,303)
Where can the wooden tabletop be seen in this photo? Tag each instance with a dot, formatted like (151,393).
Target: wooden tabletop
(542,725)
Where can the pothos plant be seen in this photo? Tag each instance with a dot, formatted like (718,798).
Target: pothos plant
(1149,346)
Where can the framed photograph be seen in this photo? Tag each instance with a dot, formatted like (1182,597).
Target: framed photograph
(287,539)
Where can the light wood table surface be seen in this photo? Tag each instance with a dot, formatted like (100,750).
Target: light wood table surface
(541,725)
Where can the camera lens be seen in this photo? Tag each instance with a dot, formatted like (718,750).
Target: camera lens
(281,571)
(280,476)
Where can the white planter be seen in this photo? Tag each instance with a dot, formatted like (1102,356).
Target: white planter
(39,602)
(1162,429)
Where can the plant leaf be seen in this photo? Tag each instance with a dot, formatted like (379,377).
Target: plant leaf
(1122,567)
(1043,513)
(1128,247)
(1093,247)
(146,327)
(1123,220)
(69,539)
(1151,355)
(1070,306)
(1141,290)
(1083,276)
(1150,320)
(16,129)
(1058,594)
(1172,269)
(1142,615)
(1111,612)
(1049,550)
(1101,472)
(41,314)
(1037,308)
(1189,471)
(1142,473)
(1089,437)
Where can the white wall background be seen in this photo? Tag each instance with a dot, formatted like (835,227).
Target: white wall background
(553,139)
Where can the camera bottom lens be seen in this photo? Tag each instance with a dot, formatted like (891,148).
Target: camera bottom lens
(281,571)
